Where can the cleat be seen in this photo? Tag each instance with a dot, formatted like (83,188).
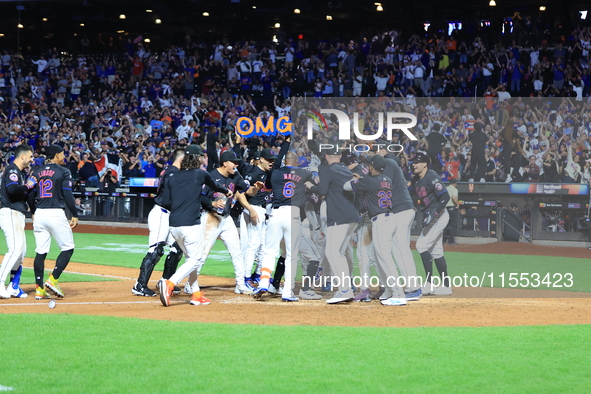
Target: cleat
(166,288)
(53,286)
(256,278)
(414,295)
(259,293)
(379,293)
(249,284)
(140,290)
(272,289)
(15,291)
(394,301)
(363,296)
(428,289)
(199,299)
(309,295)
(341,296)
(442,290)
(3,292)
(187,289)
(176,290)
(41,293)
(242,289)
(386,294)
(290,299)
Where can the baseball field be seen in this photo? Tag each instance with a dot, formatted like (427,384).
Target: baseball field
(101,339)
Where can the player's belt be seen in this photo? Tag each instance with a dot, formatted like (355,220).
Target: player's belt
(384,213)
(451,208)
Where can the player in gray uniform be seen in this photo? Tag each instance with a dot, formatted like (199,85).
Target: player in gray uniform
(159,237)
(52,193)
(431,196)
(404,214)
(377,191)
(13,196)
(342,220)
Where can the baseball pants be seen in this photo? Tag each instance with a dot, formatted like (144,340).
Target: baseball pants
(402,222)
(307,247)
(383,230)
(338,240)
(13,224)
(283,225)
(431,238)
(365,249)
(215,226)
(48,223)
(189,239)
(252,237)
(158,227)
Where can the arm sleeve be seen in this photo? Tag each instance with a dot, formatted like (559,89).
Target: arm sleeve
(440,203)
(16,189)
(281,155)
(166,193)
(70,202)
(324,181)
(214,185)
(31,200)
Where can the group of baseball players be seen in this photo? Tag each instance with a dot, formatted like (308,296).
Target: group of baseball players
(45,191)
(297,214)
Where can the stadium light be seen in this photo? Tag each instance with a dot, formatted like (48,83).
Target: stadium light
(426,26)
(583,14)
(254,7)
(296,11)
(148,10)
(82,25)
(20,26)
(146,40)
(206,13)
(120,31)
(122,16)
(158,21)
(275,40)
(542,8)
(1,34)
(277,25)
(379,7)
(328,17)
(44,19)
(492,3)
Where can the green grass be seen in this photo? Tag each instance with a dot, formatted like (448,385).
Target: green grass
(129,250)
(124,355)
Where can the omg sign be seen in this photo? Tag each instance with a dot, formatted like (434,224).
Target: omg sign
(248,128)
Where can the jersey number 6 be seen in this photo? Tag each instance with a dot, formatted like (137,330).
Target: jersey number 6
(288,189)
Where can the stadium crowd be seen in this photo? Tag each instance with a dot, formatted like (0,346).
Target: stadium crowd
(469,94)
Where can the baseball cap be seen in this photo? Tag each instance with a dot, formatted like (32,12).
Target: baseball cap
(421,157)
(543,143)
(268,154)
(53,150)
(513,205)
(256,155)
(332,151)
(378,162)
(348,158)
(228,156)
(194,150)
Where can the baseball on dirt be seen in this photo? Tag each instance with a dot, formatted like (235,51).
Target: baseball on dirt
(52,304)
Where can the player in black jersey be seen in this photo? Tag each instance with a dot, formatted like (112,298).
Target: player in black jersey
(13,197)
(216,218)
(182,196)
(160,236)
(252,221)
(430,197)
(288,184)
(49,198)
(377,192)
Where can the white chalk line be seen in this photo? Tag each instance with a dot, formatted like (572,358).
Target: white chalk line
(5,388)
(89,303)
